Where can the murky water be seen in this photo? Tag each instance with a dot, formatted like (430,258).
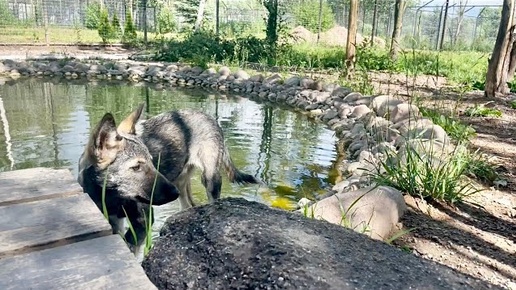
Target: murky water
(47,124)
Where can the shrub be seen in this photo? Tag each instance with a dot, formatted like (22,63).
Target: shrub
(482,111)
(115,27)
(455,129)
(129,29)
(166,21)
(198,47)
(105,30)
(426,173)
(6,16)
(307,15)
(93,15)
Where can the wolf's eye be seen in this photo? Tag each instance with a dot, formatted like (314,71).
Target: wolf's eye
(137,167)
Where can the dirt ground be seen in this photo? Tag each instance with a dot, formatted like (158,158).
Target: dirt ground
(477,237)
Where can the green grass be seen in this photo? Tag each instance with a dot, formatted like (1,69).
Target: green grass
(482,111)
(453,127)
(427,173)
(17,35)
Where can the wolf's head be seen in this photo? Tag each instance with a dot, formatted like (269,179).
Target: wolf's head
(117,157)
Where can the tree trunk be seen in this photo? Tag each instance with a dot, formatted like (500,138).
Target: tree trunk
(375,21)
(445,18)
(398,23)
(502,62)
(460,19)
(200,15)
(352,37)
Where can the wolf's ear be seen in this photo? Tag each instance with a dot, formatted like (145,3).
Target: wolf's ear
(105,142)
(128,124)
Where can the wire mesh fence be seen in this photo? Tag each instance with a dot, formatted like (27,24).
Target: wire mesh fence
(425,26)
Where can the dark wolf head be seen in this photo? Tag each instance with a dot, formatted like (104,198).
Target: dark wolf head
(117,157)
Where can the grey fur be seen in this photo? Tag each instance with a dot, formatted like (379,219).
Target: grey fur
(182,140)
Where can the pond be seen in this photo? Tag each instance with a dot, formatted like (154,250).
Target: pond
(47,123)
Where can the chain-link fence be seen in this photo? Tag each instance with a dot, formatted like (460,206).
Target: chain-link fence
(426,26)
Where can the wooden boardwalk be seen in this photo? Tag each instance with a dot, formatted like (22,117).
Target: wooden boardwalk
(52,236)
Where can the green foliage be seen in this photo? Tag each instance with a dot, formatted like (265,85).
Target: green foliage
(427,174)
(6,16)
(129,36)
(93,13)
(306,14)
(453,127)
(482,111)
(104,28)
(116,29)
(481,168)
(271,30)
(200,47)
(166,21)
(188,10)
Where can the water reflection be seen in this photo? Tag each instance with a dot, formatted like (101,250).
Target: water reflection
(47,124)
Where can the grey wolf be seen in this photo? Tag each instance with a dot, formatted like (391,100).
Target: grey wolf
(161,152)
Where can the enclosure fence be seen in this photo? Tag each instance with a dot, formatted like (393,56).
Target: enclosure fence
(425,26)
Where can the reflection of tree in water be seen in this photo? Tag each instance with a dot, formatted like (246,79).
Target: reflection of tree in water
(38,113)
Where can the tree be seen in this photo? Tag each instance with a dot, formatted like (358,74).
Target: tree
(129,28)
(116,28)
(502,63)
(307,15)
(351,42)
(104,27)
(399,10)
(271,30)
(200,14)
(460,19)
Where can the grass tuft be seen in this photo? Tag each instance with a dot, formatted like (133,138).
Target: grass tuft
(427,173)
(482,111)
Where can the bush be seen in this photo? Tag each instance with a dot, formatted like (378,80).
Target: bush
(307,15)
(427,174)
(166,21)
(115,27)
(198,47)
(105,30)
(455,129)
(129,29)
(93,15)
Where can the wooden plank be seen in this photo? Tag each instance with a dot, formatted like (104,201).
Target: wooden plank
(101,263)
(49,222)
(36,184)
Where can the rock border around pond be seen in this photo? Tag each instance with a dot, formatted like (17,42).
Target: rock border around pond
(368,127)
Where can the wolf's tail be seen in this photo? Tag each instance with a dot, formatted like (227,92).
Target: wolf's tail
(235,175)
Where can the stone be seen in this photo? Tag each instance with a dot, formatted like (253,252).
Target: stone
(306,83)
(292,81)
(248,245)
(319,97)
(375,213)
(224,71)
(384,104)
(404,111)
(241,74)
(352,97)
(257,78)
(312,107)
(331,114)
(210,71)
(360,111)
(273,79)
(195,71)
(429,132)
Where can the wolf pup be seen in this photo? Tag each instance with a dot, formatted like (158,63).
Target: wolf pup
(124,159)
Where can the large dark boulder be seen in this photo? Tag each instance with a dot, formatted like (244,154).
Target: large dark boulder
(238,244)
